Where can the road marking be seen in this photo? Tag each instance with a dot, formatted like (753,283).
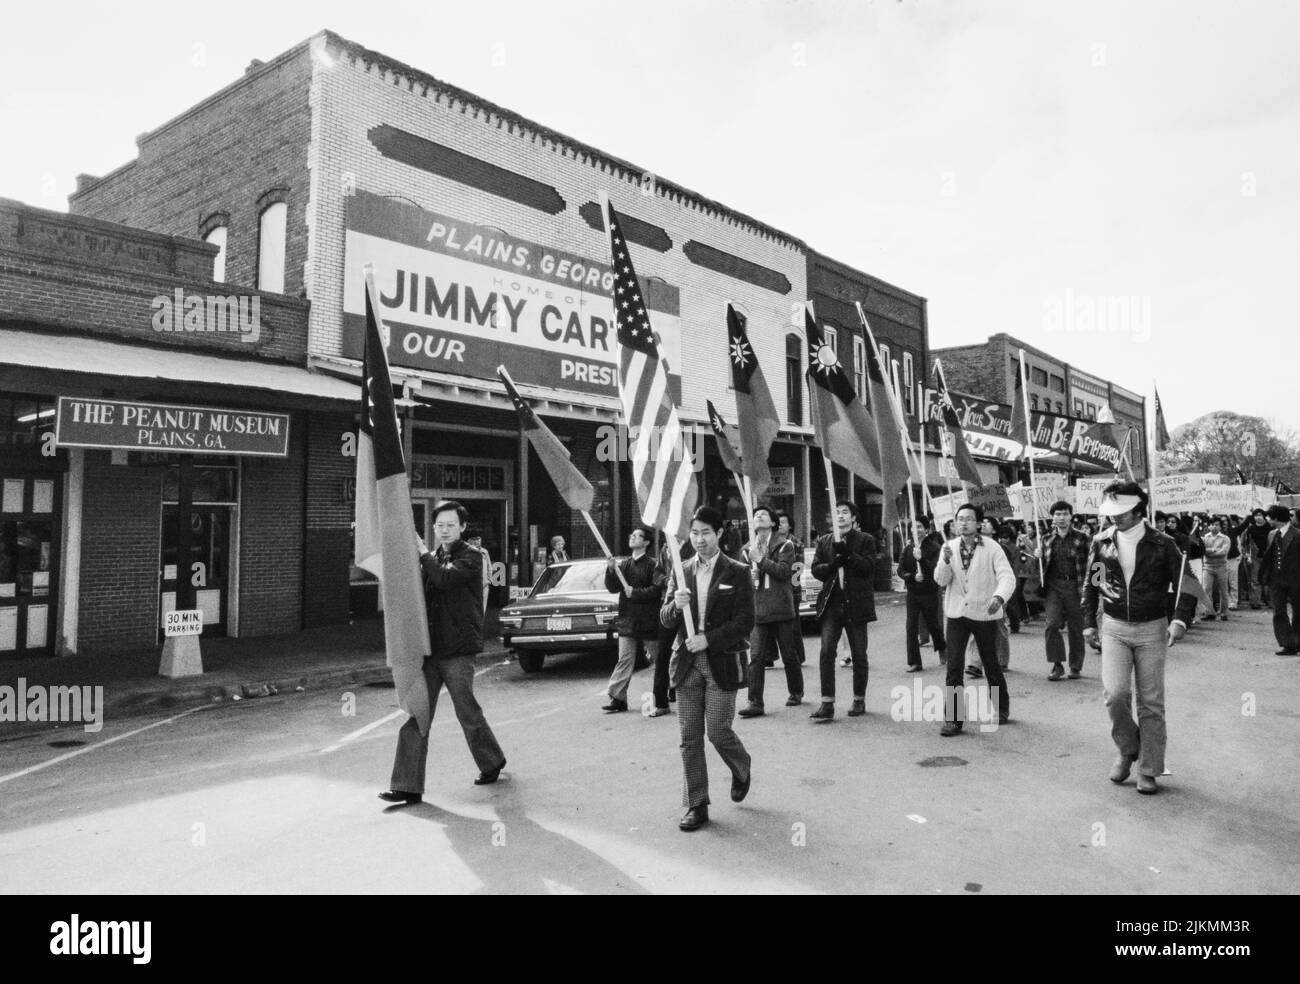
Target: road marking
(361,731)
(108,741)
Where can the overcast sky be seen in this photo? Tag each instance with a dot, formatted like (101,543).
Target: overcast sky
(1019,164)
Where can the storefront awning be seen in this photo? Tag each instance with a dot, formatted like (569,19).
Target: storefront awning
(106,357)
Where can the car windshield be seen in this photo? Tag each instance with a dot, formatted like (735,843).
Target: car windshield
(586,575)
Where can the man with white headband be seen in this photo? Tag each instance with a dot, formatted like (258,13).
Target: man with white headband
(1131,569)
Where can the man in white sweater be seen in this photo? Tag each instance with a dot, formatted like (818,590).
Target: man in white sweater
(978,582)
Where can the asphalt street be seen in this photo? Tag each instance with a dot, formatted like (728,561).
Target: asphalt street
(278,795)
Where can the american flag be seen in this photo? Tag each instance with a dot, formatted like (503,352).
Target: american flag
(662,465)
(1162,431)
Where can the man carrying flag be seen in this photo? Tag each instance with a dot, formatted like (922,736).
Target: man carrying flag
(710,603)
(424,656)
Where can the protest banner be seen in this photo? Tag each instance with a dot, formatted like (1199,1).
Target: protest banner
(1178,493)
(993,500)
(1087,495)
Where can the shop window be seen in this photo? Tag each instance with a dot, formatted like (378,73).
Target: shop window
(794,379)
(271,233)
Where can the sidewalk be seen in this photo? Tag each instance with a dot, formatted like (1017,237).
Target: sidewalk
(233,669)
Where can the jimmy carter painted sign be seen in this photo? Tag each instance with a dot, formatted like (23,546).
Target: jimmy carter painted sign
(93,423)
(464,299)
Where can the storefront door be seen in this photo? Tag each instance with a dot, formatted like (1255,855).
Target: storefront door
(28,563)
(208,571)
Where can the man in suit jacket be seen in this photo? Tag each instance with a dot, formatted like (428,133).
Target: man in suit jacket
(916,568)
(772,558)
(453,585)
(846,567)
(710,664)
(1280,571)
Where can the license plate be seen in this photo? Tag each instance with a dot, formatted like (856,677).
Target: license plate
(559,623)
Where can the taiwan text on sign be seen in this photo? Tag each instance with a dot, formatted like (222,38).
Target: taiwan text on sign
(181,622)
(94,423)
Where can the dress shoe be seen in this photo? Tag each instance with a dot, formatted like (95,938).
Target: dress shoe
(950,729)
(739,790)
(1285,652)
(1122,767)
(794,700)
(615,706)
(823,713)
(858,709)
(1004,719)
(914,669)
(695,818)
(1058,672)
(1074,674)
(752,711)
(489,777)
(397,796)
(659,712)
(974,671)
(1147,785)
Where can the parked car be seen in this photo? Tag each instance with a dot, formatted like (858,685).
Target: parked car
(567,611)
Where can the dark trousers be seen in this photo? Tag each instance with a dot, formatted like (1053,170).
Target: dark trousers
(960,631)
(667,639)
(1286,628)
(923,607)
(834,622)
(770,649)
(413,749)
(1064,611)
(782,635)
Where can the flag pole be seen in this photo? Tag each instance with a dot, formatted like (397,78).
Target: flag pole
(1029,452)
(604,547)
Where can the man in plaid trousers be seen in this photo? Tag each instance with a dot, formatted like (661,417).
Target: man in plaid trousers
(710,661)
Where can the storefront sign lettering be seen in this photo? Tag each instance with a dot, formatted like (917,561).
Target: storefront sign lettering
(92,423)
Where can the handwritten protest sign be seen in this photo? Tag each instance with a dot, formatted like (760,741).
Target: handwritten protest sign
(1087,495)
(993,500)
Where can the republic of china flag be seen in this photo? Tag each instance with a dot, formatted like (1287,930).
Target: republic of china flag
(385,541)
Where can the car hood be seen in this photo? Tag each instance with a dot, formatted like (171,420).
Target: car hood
(563,602)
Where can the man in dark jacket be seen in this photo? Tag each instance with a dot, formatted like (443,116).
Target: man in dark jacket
(1257,535)
(845,563)
(1131,569)
(916,568)
(1065,571)
(640,593)
(709,662)
(1280,570)
(453,587)
(772,559)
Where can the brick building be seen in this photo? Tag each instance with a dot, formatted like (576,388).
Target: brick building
(117,349)
(484,232)
(1053,386)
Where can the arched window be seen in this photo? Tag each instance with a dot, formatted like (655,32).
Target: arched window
(271,231)
(794,381)
(217,236)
